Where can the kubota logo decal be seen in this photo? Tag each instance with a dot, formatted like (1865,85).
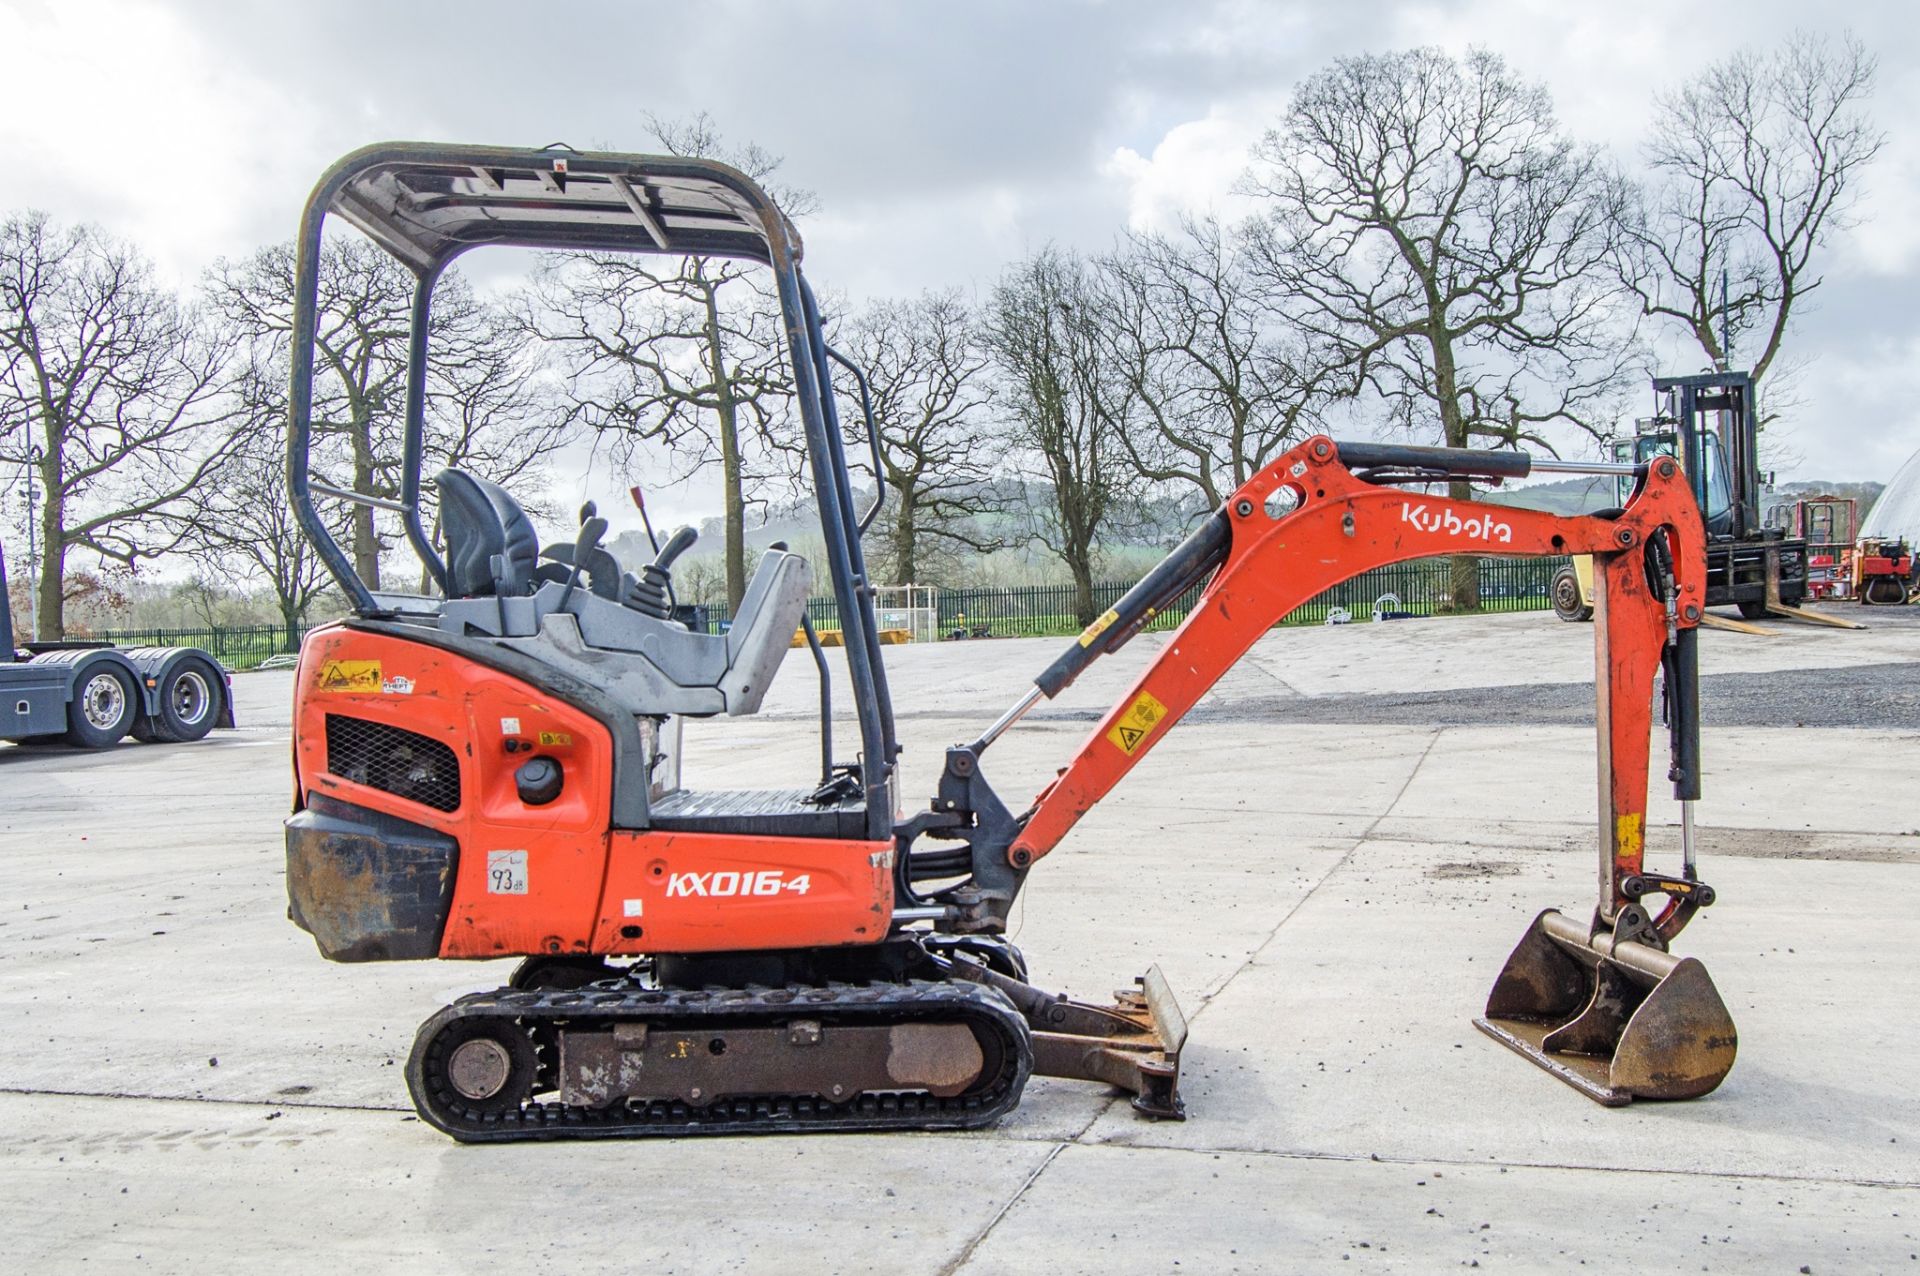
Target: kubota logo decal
(1482,526)
(727,884)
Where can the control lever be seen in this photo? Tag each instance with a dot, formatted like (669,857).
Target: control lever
(652,593)
(592,529)
(677,544)
(640,503)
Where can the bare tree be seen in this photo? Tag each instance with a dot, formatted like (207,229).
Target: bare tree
(1756,162)
(363,304)
(928,363)
(1066,409)
(1219,386)
(1443,243)
(112,389)
(687,351)
(244,527)
(486,409)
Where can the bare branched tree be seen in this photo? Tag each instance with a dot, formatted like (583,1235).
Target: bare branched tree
(1756,162)
(244,528)
(112,389)
(686,351)
(1219,386)
(928,363)
(1066,408)
(360,364)
(1442,242)
(486,410)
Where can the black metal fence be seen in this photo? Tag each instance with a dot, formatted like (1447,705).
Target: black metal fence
(1421,587)
(236,646)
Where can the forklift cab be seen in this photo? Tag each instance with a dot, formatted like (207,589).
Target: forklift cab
(1657,437)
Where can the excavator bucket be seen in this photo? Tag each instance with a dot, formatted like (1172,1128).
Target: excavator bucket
(1615,1018)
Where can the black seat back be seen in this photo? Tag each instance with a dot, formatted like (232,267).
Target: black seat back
(491,545)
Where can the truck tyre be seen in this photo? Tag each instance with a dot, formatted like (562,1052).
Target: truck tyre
(190,702)
(102,709)
(1566,596)
(1752,609)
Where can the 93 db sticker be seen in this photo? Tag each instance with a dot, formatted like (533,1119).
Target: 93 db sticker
(1137,723)
(506,872)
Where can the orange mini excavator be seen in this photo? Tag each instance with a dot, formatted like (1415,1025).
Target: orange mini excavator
(492,769)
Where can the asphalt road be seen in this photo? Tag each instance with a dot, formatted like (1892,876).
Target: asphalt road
(1886,696)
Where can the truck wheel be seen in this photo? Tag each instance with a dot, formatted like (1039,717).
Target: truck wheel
(1753,609)
(1566,596)
(190,702)
(102,709)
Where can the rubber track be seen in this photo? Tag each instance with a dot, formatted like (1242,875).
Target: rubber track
(602,1004)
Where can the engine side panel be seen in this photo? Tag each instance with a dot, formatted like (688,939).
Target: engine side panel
(703,892)
(404,714)
(421,734)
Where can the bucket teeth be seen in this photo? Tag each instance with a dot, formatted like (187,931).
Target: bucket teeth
(1615,1019)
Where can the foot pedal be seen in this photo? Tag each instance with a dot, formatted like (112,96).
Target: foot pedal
(1616,1019)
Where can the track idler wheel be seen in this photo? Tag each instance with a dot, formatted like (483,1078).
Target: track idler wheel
(474,1069)
(1616,1018)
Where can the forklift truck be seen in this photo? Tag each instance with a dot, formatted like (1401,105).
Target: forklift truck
(1758,569)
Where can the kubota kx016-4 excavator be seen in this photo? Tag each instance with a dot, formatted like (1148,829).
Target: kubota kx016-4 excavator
(493,770)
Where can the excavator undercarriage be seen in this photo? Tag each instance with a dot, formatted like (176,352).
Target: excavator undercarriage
(492,769)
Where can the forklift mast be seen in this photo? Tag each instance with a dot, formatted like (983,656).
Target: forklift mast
(1731,395)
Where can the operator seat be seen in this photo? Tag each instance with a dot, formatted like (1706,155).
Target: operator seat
(498,588)
(492,548)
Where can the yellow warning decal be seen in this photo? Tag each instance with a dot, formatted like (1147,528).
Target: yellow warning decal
(349,675)
(555,738)
(1098,627)
(1628,835)
(1137,723)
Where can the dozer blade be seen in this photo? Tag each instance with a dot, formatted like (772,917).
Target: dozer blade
(1132,1045)
(1615,1019)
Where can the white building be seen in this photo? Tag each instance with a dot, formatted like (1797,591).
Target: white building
(1897,512)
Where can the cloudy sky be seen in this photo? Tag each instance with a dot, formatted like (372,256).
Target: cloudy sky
(942,139)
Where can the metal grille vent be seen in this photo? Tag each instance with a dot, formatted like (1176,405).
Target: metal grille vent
(403,763)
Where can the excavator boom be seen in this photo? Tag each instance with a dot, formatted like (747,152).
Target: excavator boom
(1328,511)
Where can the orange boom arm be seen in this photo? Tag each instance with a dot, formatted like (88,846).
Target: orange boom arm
(1334,525)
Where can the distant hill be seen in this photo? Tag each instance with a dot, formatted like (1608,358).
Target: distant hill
(1567,496)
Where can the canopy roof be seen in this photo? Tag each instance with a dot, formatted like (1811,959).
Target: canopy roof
(427,203)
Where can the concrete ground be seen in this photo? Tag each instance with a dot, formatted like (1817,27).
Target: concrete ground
(187,1086)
